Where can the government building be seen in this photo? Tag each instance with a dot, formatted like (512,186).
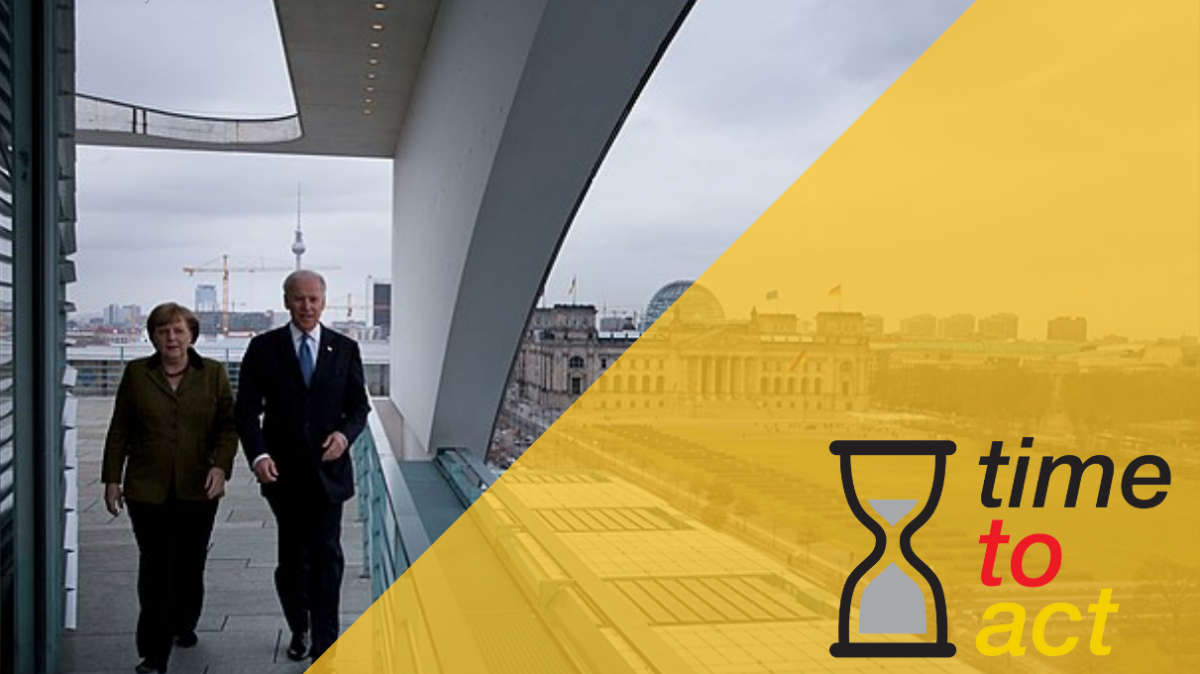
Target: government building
(694,355)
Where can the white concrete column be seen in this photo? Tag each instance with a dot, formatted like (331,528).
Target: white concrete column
(514,108)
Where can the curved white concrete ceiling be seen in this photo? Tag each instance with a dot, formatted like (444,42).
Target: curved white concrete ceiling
(352,67)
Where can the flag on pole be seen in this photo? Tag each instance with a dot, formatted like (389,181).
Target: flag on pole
(772,295)
(799,360)
(836,291)
(571,288)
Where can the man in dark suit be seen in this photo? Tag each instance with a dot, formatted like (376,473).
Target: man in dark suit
(301,402)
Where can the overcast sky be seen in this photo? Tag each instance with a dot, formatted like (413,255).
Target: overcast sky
(748,95)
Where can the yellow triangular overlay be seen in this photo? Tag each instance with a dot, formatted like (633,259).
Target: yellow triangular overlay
(1039,164)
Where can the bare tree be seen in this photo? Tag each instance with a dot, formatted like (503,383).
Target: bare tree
(745,508)
(808,532)
(720,497)
(1173,590)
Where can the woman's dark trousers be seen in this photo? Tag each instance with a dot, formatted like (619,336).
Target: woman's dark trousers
(172,540)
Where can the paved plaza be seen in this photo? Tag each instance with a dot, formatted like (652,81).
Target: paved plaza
(242,629)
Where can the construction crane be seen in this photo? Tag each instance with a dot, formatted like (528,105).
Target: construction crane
(349,306)
(225,270)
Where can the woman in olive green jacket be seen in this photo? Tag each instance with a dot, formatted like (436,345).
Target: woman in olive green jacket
(168,454)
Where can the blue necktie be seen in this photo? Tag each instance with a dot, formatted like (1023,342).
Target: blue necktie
(306,359)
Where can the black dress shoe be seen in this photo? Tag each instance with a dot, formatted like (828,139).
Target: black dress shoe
(298,646)
(148,667)
(186,639)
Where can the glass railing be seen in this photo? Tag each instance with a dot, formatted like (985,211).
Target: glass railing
(99,376)
(102,115)
(393,533)
(384,555)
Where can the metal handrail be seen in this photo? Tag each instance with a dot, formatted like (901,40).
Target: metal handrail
(467,475)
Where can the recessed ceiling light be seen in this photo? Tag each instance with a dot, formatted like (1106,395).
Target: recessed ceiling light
(380,5)
(374,45)
(377,26)
(368,101)
(373,62)
(370,89)
(366,111)
(370,76)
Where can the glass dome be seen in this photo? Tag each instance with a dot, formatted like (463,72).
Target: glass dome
(699,307)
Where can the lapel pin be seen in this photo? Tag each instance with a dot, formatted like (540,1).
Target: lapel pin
(329,349)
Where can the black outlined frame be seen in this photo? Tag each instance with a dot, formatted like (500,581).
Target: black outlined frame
(941,648)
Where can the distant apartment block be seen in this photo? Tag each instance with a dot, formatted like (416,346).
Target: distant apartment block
(122,315)
(958,326)
(206,298)
(1067,329)
(381,308)
(999,326)
(240,322)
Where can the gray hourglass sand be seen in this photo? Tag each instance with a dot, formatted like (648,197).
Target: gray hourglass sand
(892,603)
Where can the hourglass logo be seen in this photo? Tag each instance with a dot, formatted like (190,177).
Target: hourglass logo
(892,603)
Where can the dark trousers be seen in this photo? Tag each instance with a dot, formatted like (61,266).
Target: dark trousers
(172,540)
(308,577)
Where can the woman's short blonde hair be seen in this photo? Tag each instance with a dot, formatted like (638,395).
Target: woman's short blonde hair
(169,312)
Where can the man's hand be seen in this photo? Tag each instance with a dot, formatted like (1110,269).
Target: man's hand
(265,470)
(113,500)
(214,484)
(334,446)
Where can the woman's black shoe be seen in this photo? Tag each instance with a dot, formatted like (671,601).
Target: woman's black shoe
(298,647)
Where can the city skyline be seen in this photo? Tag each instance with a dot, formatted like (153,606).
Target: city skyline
(892,325)
(704,151)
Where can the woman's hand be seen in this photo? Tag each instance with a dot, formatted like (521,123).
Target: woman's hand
(214,485)
(113,500)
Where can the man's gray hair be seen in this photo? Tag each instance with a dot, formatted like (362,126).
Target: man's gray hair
(302,275)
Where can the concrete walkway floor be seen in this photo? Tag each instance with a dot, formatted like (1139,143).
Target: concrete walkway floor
(242,629)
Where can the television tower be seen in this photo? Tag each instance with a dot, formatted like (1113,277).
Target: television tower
(298,247)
